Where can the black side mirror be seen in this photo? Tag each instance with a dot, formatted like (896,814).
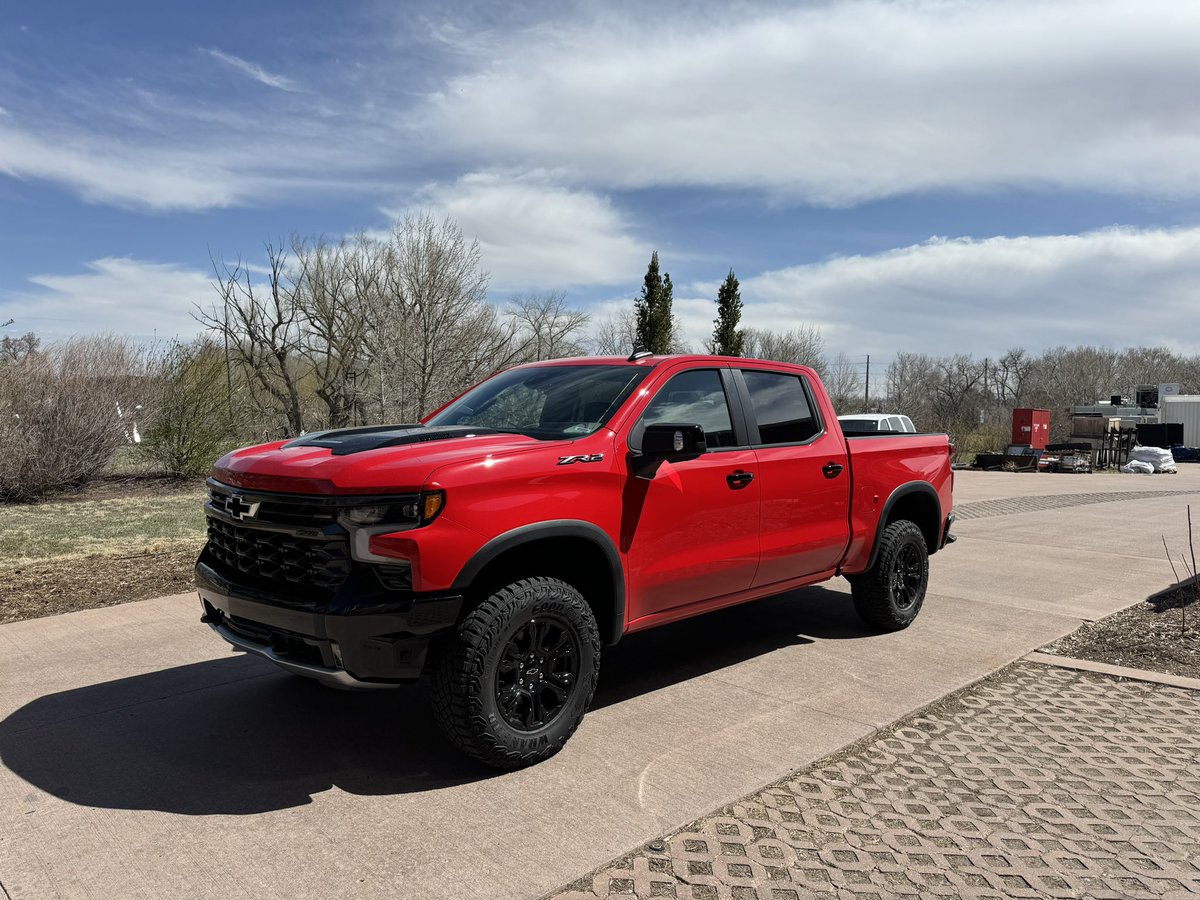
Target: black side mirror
(665,442)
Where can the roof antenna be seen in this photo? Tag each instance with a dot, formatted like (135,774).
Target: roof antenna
(638,353)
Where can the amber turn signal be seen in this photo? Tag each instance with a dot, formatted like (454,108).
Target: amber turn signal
(433,502)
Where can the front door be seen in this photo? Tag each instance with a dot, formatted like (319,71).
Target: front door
(691,533)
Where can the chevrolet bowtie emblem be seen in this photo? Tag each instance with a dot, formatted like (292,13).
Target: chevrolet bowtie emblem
(239,508)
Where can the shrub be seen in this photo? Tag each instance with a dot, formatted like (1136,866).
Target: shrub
(190,422)
(61,413)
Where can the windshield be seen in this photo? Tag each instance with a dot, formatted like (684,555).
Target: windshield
(548,402)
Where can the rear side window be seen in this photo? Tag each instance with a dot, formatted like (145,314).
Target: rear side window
(781,407)
(694,398)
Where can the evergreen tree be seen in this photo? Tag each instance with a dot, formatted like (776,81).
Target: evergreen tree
(665,319)
(655,324)
(727,339)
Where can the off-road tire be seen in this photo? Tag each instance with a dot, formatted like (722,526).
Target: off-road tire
(466,666)
(889,596)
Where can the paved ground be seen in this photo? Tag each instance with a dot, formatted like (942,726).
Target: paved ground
(1041,782)
(139,758)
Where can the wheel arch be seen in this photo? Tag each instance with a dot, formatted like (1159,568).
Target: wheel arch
(917,501)
(580,553)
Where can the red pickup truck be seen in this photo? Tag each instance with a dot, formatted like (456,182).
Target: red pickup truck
(501,542)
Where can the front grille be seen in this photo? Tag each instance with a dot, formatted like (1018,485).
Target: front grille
(300,511)
(271,556)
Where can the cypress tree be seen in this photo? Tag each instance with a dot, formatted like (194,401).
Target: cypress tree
(728,340)
(653,310)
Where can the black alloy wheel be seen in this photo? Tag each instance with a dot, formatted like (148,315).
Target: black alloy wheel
(538,670)
(908,580)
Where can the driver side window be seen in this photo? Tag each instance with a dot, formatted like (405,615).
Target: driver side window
(694,398)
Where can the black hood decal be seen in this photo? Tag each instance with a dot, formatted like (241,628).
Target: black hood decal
(344,441)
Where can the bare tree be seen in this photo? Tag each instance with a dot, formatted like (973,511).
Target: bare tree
(340,296)
(261,328)
(436,334)
(803,345)
(844,383)
(549,328)
(615,334)
(958,399)
(1012,379)
(16,349)
(911,379)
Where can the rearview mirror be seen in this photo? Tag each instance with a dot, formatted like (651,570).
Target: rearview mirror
(670,443)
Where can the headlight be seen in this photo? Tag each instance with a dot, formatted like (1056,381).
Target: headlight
(412,514)
(365,515)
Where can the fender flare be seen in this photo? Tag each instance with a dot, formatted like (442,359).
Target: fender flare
(905,490)
(555,528)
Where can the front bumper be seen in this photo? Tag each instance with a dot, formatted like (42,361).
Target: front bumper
(382,646)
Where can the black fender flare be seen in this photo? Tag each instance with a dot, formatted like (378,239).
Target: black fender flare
(555,528)
(905,490)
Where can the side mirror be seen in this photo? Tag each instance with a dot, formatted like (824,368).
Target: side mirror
(665,442)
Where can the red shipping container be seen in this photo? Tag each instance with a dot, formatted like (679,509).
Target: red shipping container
(1032,427)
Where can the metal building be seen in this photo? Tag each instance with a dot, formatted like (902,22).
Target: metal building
(1183,408)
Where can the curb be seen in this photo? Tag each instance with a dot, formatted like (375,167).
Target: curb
(1087,665)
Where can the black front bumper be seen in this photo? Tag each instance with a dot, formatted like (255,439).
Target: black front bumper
(380,643)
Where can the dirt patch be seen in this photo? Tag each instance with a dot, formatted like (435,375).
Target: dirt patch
(1161,634)
(126,487)
(58,586)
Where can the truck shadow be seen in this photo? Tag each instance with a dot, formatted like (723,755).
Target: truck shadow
(236,737)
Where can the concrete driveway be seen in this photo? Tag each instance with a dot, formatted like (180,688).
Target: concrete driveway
(138,757)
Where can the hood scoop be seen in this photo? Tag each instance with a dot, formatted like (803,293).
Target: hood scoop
(344,441)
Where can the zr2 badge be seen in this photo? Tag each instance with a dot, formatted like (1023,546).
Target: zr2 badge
(588,457)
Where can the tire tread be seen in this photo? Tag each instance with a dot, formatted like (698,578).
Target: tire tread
(871,592)
(459,666)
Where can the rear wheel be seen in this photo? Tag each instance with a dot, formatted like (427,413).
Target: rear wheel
(513,682)
(890,595)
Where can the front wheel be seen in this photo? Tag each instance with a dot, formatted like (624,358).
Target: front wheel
(890,595)
(512,683)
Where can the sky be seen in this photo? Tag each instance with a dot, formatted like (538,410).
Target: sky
(934,176)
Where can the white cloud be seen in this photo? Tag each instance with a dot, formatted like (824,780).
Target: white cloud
(105,170)
(534,234)
(831,103)
(117,294)
(255,71)
(1117,286)
(838,103)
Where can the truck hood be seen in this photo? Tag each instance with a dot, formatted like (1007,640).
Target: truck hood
(377,460)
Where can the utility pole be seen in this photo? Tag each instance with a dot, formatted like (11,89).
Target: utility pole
(867,385)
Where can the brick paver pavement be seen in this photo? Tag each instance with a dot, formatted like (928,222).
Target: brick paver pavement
(1038,782)
(1004,506)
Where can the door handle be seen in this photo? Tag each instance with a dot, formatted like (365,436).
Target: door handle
(832,469)
(739,479)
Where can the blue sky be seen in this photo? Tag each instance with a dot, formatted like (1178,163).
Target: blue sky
(924,175)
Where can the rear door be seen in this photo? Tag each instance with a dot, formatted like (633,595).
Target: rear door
(691,532)
(803,473)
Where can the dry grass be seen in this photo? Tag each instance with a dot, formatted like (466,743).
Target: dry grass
(110,527)
(114,542)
